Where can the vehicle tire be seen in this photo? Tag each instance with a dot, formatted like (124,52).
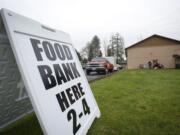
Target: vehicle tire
(106,71)
(88,72)
(98,72)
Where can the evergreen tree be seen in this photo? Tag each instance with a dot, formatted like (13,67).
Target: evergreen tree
(95,43)
(94,48)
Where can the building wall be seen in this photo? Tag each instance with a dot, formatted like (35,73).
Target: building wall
(153,48)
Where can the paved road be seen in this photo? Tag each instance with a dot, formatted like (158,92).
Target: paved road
(94,76)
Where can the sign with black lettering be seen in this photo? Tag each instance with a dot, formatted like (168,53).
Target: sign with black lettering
(53,76)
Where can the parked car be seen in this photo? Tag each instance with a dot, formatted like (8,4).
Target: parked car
(99,65)
(117,67)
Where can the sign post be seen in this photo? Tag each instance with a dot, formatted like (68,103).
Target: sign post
(53,76)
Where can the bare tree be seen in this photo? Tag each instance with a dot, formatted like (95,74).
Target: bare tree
(116,47)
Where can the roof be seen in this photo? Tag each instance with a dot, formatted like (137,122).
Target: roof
(155,35)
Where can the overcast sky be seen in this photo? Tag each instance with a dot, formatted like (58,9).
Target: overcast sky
(82,19)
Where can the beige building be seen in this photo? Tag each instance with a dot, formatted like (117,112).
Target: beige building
(155,47)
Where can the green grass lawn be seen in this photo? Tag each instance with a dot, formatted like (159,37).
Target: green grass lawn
(132,102)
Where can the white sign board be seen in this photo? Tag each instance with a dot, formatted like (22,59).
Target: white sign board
(53,76)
